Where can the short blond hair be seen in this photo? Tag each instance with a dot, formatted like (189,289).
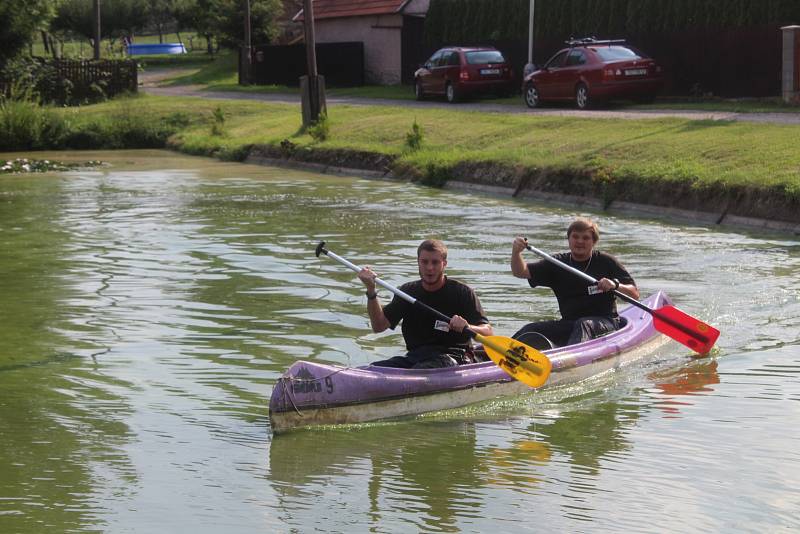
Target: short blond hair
(581,224)
(433,245)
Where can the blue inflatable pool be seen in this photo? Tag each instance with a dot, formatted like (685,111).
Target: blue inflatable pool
(157,48)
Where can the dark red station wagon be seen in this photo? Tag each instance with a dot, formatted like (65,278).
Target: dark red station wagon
(591,71)
(457,72)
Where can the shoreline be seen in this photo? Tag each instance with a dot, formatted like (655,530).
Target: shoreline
(730,208)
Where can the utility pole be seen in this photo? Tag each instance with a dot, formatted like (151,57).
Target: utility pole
(529,67)
(97,29)
(247,52)
(312,86)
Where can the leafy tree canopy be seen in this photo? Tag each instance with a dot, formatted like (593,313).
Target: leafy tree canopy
(20,20)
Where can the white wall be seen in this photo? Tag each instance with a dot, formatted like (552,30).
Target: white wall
(381,37)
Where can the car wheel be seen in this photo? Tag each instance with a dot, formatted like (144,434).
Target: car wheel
(582,96)
(450,93)
(532,96)
(418,92)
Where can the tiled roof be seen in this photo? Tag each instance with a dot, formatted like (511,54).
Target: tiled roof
(329,9)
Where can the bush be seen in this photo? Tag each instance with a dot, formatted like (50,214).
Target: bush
(415,137)
(321,129)
(24,125)
(218,124)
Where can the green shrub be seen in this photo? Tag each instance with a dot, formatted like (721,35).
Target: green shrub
(25,125)
(415,137)
(321,129)
(218,124)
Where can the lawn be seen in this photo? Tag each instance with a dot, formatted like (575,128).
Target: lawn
(701,152)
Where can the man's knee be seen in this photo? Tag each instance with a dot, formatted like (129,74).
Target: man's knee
(442,360)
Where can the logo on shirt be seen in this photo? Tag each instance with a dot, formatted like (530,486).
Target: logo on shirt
(593,289)
(441,325)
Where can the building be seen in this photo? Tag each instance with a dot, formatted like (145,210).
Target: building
(391,31)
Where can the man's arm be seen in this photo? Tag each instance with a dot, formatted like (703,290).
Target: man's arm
(458,324)
(518,265)
(609,284)
(377,319)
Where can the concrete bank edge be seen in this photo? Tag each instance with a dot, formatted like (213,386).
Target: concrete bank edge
(615,206)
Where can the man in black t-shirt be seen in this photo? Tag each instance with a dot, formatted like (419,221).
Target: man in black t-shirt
(587,310)
(430,342)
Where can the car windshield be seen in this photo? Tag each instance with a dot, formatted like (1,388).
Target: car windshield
(617,53)
(483,57)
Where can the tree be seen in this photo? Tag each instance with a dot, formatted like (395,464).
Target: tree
(119,17)
(224,19)
(22,19)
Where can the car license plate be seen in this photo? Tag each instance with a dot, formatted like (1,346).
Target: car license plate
(490,71)
(635,72)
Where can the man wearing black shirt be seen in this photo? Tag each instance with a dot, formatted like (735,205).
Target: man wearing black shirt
(587,310)
(430,342)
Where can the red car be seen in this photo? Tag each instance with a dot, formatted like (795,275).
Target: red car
(591,71)
(459,71)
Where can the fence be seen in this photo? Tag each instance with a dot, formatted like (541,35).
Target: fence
(342,64)
(89,80)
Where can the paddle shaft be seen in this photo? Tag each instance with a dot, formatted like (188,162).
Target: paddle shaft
(683,328)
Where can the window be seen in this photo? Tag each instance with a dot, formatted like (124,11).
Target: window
(557,60)
(453,58)
(576,57)
(434,60)
(483,57)
(617,53)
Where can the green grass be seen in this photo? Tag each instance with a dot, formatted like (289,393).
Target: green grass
(702,152)
(194,43)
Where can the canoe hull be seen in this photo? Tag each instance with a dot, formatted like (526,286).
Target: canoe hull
(313,394)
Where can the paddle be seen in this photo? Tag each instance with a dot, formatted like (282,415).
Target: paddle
(668,320)
(522,362)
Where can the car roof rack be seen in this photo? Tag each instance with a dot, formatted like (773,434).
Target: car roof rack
(586,41)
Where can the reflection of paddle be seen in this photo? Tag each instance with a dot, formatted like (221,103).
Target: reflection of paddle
(669,320)
(522,362)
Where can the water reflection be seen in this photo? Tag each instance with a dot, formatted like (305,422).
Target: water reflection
(692,379)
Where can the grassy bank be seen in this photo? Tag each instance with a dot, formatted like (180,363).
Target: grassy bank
(612,157)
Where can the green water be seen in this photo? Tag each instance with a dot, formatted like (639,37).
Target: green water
(149,306)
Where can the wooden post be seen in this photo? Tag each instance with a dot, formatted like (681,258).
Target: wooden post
(247,50)
(97,29)
(312,91)
(790,79)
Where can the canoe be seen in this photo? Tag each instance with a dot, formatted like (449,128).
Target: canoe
(313,394)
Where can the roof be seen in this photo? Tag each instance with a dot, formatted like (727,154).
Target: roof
(331,9)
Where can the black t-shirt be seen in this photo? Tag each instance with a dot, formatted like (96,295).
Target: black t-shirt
(572,291)
(420,326)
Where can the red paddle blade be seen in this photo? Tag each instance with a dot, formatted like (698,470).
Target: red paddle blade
(683,328)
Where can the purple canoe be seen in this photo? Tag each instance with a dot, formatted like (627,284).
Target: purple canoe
(312,394)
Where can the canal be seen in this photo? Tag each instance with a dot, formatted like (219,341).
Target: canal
(150,305)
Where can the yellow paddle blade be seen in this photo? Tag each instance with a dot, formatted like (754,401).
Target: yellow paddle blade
(522,362)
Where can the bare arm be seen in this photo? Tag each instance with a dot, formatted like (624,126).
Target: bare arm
(458,324)
(518,266)
(377,319)
(607,284)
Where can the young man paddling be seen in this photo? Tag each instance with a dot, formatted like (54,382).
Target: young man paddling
(587,310)
(430,342)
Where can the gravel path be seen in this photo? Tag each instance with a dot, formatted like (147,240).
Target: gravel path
(149,84)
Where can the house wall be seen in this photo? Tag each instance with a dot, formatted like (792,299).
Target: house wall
(381,37)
